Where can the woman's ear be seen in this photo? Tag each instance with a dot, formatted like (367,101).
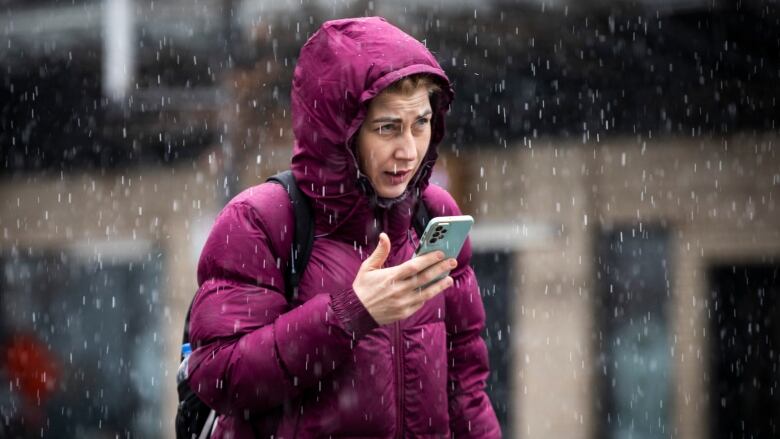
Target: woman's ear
(352,145)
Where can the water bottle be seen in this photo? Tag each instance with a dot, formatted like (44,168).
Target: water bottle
(183,372)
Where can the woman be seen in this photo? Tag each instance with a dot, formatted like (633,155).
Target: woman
(362,351)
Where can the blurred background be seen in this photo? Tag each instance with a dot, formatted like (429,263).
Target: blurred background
(621,158)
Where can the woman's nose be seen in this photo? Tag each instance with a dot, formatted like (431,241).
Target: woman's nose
(407,147)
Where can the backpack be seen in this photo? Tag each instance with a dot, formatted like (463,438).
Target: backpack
(195,419)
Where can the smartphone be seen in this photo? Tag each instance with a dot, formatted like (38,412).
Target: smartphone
(445,233)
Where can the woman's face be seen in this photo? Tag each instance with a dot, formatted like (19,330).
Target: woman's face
(393,140)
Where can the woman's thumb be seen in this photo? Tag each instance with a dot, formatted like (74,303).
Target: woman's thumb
(382,250)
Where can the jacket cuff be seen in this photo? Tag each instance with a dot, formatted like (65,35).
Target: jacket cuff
(351,313)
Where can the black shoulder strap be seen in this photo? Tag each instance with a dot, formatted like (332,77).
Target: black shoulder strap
(421,218)
(302,241)
(304,232)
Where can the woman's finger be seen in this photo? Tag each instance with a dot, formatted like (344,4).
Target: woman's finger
(419,296)
(418,263)
(431,273)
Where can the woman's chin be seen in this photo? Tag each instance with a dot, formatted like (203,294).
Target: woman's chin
(391,192)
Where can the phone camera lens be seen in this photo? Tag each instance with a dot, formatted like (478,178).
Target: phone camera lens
(433,240)
(438,228)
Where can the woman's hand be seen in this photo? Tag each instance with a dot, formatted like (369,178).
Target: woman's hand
(395,293)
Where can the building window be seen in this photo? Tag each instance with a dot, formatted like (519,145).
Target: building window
(632,340)
(493,270)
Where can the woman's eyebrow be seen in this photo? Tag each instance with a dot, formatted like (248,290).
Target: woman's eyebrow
(388,119)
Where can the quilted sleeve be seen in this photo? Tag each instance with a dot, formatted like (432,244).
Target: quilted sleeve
(252,352)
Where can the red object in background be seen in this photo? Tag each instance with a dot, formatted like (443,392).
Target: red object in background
(31,367)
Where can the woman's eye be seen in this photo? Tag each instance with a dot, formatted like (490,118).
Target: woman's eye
(383,129)
(423,121)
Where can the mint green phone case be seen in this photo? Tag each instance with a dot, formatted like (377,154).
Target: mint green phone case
(445,233)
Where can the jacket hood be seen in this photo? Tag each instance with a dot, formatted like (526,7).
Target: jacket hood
(340,69)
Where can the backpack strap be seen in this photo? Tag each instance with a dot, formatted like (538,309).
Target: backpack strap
(421,218)
(304,232)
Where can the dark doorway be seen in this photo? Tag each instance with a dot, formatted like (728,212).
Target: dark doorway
(493,270)
(745,351)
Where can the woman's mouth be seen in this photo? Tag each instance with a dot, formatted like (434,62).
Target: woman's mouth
(397,177)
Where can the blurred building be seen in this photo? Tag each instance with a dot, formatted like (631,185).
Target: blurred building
(621,161)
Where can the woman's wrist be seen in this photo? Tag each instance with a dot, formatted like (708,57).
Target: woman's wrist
(351,314)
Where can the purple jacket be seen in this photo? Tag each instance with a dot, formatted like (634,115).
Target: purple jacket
(320,366)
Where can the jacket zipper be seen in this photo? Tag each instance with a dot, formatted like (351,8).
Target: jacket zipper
(399,379)
(398,351)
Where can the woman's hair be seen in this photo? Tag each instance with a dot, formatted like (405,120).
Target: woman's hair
(410,84)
